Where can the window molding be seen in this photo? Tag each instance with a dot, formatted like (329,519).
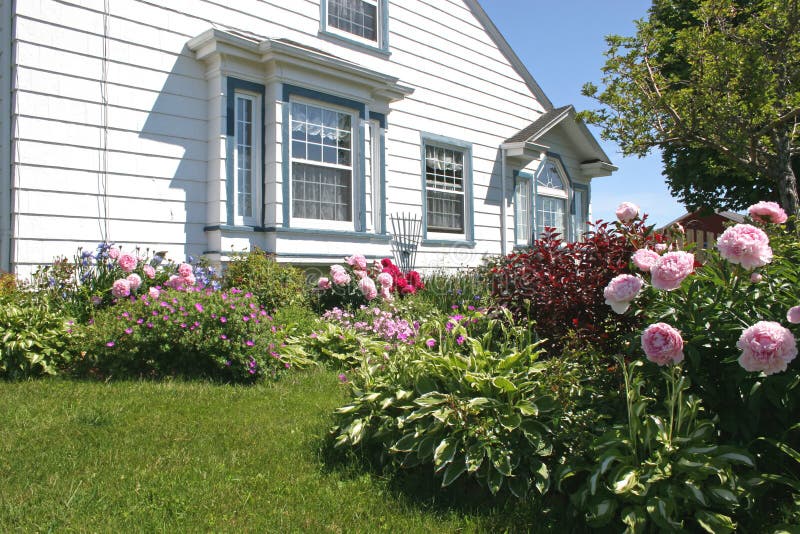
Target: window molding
(467,238)
(379,162)
(238,86)
(359,111)
(380,46)
(519,177)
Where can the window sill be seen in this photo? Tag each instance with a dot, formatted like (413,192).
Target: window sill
(353,43)
(448,243)
(340,234)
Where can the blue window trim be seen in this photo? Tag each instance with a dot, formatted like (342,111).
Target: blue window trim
(234,85)
(381,119)
(519,176)
(358,141)
(469,211)
(571,186)
(381,48)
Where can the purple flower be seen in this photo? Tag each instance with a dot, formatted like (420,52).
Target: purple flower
(460,340)
(249,343)
(129,331)
(223,336)
(223,319)
(149,325)
(110,344)
(199,307)
(431,342)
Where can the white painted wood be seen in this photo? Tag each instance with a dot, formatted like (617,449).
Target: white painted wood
(115,117)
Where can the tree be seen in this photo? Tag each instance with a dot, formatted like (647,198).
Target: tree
(716,85)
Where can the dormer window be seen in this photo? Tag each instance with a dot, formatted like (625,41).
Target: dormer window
(551,202)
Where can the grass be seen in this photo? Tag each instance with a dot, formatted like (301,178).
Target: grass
(192,456)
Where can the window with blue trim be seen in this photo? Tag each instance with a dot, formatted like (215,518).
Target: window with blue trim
(361,22)
(245,156)
(523,202)
(446,189)
(322,162)
(551,199)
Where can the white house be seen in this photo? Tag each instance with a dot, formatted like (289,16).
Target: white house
(302,127)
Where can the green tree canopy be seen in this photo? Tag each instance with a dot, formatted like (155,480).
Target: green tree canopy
(716,85)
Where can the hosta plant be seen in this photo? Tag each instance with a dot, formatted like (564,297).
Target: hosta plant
(481,412)
(663,470)
(32,340)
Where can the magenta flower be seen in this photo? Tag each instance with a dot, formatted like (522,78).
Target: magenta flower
(121,288)
(110,344)
(670,270)
(793,315)
(184,270)
(357,261)
(746,245)
(644,259)
(662,344)
(627,211)
(621,290)
(127,262)
(767,212)
(766,346)
(431,342)
(342,378)
(149,271)
(223,319)
(460,340)
(249,343)
(129,331)
(198,307)
(223,337)
(385,280)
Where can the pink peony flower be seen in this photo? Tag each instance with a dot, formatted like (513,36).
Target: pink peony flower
(793,315)
(184,270)
(662,344)
(121,288)
(644,259)
(386,293)
(627,211)
(113,253)
(746,245)
(621,290)
(767,212)
(134,280)
(154,293)
(766,346)
(149,271)
(173,282)
(669,270)
(367,287)
(340,278)
(756,277)
(357,261)
(127,262)
(361,274)
(188,280)
(385,280)
(323,283)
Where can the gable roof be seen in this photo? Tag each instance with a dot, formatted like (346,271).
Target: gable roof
(539,126)
(509,53)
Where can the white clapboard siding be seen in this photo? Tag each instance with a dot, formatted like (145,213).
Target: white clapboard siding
(115,119)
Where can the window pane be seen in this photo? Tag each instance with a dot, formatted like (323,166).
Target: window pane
(358,17)
(551,177)
(244,156)
(321,192)
(444,183)
(551,213)
(445,211)
(315,128)
(523,201)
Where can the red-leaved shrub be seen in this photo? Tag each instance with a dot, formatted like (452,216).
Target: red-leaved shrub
(559,285)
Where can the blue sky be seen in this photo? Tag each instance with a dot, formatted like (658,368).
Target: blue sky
(562,44)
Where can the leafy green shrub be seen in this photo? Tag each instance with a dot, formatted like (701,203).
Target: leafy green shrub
(479,411)
(663,470)
(8,284)
(32,340)
(220,335)
(443,290)
(273,284)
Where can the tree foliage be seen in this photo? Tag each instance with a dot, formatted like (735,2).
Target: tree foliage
(716,84)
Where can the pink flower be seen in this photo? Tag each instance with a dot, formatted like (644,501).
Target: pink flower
(357,261)
(339,275)
(746,245)
(385,280)
(188,280)
(627,211)
(367,287)
(386,293)
(361,274)
(121,288)
(135,280)
(149,271)
(323,283)
(756,277)
(127,262)
(767,212)
(113,253)
(793,315)
(184,270)
(431,342)
(669,271)
(662,344)
(154,293)
(621,290)
(766,346)
(660,247)
(644,259)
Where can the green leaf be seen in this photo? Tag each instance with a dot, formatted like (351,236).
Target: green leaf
(502,462)
(635,519)
(626,481)
(696,493)
(510,420)
(431,399)
(714,523)
(444,453)
(406,443)
(661,513)
(425,385)
(740,458)
(479,401)
(426,447)
(504,383)
(724,495)
(541,476)
(356,431)
(528,408)
(601,512)
(474,456)
(494,479)
(453,471)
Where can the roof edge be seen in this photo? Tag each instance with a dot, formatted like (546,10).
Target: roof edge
(476,9)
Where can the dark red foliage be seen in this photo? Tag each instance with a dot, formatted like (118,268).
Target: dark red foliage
(559,285)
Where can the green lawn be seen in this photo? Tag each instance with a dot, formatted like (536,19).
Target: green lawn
(167,457)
